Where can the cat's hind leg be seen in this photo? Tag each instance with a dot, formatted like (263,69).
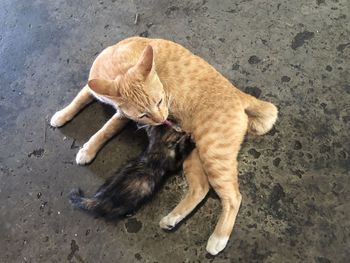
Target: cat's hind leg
(218,144)
(61,117)
(226,186)
(88,152)
(197,189)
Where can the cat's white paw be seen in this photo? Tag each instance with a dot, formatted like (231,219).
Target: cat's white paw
(58,119)
(169,222)
(85,155)
(216,244)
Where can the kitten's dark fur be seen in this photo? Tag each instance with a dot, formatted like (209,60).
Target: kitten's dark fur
(136,182)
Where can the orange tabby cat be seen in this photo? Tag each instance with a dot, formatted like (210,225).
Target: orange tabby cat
(145,80)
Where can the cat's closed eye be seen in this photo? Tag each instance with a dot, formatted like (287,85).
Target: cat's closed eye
(160,102)
(143,115)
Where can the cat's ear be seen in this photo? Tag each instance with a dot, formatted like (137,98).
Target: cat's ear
(145,63)
(104,87)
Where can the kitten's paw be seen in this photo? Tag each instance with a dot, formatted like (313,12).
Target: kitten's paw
(59,119)
(169,222)
(216,244)
(85,155)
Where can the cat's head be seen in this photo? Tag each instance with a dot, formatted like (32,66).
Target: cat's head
(173,147)
(138,93)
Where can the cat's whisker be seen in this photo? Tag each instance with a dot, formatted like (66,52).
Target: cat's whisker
(139,127)
(170,98)
(166,95)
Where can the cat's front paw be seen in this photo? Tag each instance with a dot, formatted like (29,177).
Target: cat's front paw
(85,155)
(58,119)
(169,222)
(216,244)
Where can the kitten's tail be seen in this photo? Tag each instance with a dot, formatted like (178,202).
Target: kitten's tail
(262,115)
(77,199)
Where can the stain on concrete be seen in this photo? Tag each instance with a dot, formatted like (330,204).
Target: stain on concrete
(342,47)
(73,145)
(254,91)
(235,66)
(254,153)
(297,145)
(37,153)
(277,194)
(138,256)
(133,225)
(276,162)
(144,34)
(285,79)
(73,249)
(301,38)
(322,260)
(171,10)
(254,60)
(329,68)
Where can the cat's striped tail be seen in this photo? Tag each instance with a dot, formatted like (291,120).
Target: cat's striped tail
(262,115)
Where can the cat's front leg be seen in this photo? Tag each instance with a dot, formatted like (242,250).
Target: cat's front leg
(88,152)
(61,117)
(198,188)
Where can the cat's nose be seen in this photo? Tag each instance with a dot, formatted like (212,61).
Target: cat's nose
(159,118)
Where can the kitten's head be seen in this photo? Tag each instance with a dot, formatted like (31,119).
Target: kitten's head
(173,147)
(138,93)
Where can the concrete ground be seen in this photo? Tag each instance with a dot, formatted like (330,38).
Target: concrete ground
(294,181)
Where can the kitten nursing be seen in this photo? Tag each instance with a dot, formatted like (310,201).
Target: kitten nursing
(136,182)
(148,79)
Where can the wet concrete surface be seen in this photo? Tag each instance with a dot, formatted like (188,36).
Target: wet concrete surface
(294,181)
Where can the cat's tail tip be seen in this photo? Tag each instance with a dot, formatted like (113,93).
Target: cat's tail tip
(262,115)
(77,199)
(76,196)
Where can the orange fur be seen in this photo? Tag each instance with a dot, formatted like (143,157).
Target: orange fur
(156,77)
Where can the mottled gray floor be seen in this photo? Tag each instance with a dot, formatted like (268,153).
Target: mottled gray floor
(295,180)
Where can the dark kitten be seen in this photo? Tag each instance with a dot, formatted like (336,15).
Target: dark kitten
(136,182)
